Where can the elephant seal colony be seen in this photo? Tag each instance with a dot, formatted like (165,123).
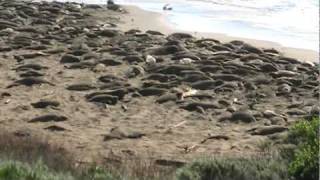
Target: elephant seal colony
(68,73)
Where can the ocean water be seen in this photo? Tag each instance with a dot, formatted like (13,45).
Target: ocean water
(292,23)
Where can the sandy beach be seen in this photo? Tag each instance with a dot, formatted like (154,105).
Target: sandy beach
(85,77)
(147,20)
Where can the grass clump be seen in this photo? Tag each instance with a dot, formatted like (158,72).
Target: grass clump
(35,158)
(29,149)
(305,161)
(98,173)
(233,169)
(12,170)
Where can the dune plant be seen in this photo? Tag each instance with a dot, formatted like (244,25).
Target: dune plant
(305,161)
(233,169)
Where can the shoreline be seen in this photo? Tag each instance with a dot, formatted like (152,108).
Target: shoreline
(147,20)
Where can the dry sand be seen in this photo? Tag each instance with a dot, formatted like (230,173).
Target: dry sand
(146,20)
(139,126)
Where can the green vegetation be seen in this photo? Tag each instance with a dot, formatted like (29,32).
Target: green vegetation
(98,173)
(305,160)
(217,169)
(298,163)
(234,169)
(10,170)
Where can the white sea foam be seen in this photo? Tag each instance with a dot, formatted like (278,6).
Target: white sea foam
(293,23)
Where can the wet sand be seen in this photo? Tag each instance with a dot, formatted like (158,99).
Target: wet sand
(146,20)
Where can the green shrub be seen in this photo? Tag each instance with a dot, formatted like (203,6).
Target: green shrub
(10,170)
(233,169)
(305,161)
(13,170)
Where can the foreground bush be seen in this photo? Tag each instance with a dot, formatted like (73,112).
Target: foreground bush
(233,169)
(305,161)
(300,163)
(10,170)
(29,149)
